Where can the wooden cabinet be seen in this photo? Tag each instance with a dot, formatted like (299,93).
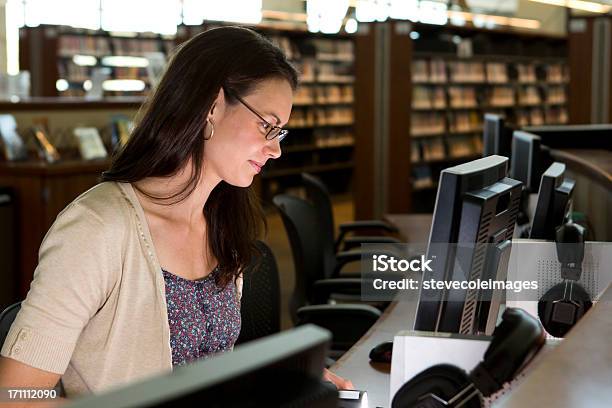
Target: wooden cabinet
(41,192)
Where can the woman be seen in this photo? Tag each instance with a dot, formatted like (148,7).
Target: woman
(142,272)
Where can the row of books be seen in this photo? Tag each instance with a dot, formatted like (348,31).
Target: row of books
(441,149)
(441,71)
(323,49)
(471,97)
(320,116)
(334,50)
(97,45)
(428,97)
(539,116)
(329,138)
(323,94)
(462,97)
(426,124)
(465,122)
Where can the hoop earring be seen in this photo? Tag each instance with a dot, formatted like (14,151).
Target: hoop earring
(212,129)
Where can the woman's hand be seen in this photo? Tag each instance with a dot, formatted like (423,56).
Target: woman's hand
(338,381)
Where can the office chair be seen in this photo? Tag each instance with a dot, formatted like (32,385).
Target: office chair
(260,308)
(260,304)
(7,317)
(317,269)
(317,193)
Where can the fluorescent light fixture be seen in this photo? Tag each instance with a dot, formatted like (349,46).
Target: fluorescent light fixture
(481,20)
(372,10)
(326,16)
(404,9)
(239,11)
(591,6)
(130,85)
(433,12)
(125,61)
(85,60)
(350,26)
(61,85)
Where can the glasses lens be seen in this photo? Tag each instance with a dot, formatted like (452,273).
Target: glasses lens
(283,134)
(273,133)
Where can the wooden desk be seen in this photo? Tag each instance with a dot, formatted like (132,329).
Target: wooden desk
(413,228)
(355,364)
(580,368)
(592,171)
(575,374)
(578,373)
(595,164)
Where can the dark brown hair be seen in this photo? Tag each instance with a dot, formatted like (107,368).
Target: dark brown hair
(170,128)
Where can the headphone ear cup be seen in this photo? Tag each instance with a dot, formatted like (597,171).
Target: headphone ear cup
(443,381)
(558,314)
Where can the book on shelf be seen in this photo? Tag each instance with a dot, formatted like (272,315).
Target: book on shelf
(333,93)
(90,143)
(415,151)
(334,116)
(304,95)
(555,94)
(433,149)
(501,96)
(427,97)
(121,129)
(467,71)
(465,122)
(328,138)
(526,73)
(13,146)
(556,115)
(437,71)
(427,123)
(420,71)
(463,146)
(462,97)
(529,95)
(497,72)
(46,150)
(422,177)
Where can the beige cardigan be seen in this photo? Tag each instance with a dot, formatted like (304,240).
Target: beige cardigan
(96,310)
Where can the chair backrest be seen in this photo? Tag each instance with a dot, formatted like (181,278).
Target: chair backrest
(260,304)
(302,226)
(6,320)
(317,193)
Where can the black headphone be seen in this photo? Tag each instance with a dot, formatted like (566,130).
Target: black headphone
(515,341)
(566,302)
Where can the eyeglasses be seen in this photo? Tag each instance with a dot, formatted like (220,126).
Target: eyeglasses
(272,131)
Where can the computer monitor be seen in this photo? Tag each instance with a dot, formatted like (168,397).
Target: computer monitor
(553,205)
(471,232)
(595,136)
(280,370)
(497,138)
(527,160)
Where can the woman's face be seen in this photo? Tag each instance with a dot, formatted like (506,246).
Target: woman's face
(238,149)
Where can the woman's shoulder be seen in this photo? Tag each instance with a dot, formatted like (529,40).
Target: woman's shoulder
(105,204)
